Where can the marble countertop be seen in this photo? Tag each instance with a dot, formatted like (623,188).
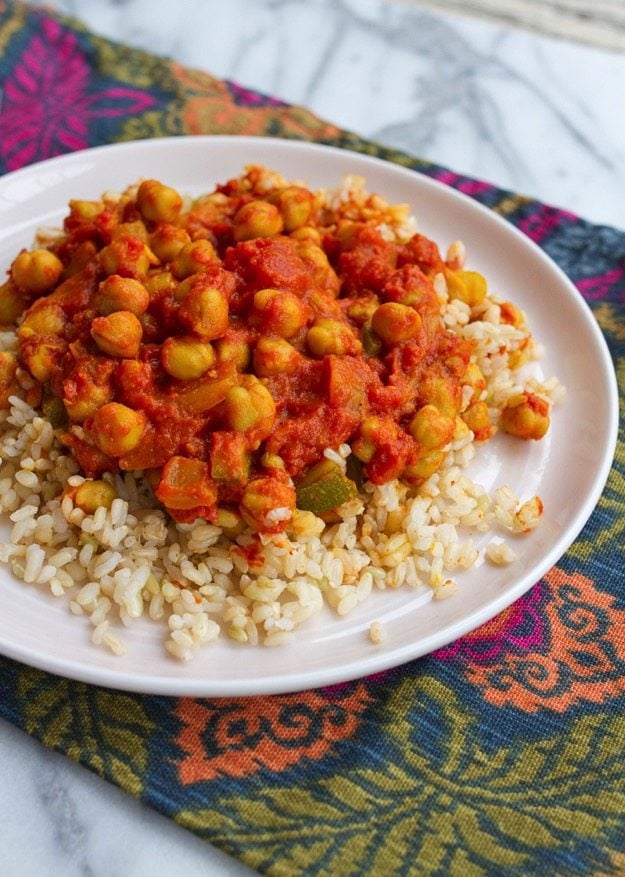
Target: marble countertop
(533,114)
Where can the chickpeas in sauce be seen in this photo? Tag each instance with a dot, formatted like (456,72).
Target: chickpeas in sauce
(222,346)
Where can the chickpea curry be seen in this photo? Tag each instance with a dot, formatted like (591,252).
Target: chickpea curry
(222,345)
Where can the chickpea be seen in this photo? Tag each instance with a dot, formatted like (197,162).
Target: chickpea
(250,408)
(41,358)
(257,219)
(318,266)
(467,286)
(525,415)
(260,497)
(36,271)
(158,203)
(205,313)
(162,281)
(366,444)
(332,336)
(281,313)
(92,495)
(118,334)
(477,419)
(117,429)
(130,229)
(186,358)
(439,388)
(192,258)
(166,241)
(12,304)
(120,294)
(128,257)
(8,382)
(85,211)
(275,356)
(235,350)
(395,322)
(425,466)
(44,318)
(362,309)
(307,233)
(431,429)
(296,206)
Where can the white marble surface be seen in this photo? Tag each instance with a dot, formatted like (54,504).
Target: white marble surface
(532,114)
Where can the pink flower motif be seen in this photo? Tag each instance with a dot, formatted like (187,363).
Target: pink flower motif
(47,106)
(593,288)
(518,629)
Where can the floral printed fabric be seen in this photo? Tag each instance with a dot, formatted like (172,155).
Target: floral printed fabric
(503,753)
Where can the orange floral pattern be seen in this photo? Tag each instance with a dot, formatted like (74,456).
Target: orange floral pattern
(236,737)
(579,656)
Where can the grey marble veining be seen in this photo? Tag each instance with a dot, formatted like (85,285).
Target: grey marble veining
(535,115)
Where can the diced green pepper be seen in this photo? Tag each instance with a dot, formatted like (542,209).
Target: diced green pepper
(230,458)
(324,489)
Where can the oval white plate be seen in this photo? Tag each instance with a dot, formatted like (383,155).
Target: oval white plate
(568,469)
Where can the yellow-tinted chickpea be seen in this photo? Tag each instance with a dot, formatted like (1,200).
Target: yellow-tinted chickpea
(118,334)
(205,313)
(36,271)
(431,429)
(257,219)
(40,359)
(120,294)
(126,256)
(525,415)
(167,241)
(477,419)
(307,233)
(318,265)
(424,467)
(8,383)
(12,303)
(186,358)
(92,495)
(44,318)
(281,313)
(117,429)
(234,350)
(158,203)
(192,258)
(275,356)
(85,210)
(332,336)
(296,205)
(442,390)
(250,408)
(162,281)
(263,495)
(85,404)
(131,229)
(366,443)
(467,286)
(363,309)
(394,322)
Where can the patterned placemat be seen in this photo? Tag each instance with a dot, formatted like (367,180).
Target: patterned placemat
(503,753)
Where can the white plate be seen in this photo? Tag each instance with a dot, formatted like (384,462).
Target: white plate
(568,469)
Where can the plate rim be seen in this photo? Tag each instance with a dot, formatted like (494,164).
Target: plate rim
(376,661)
